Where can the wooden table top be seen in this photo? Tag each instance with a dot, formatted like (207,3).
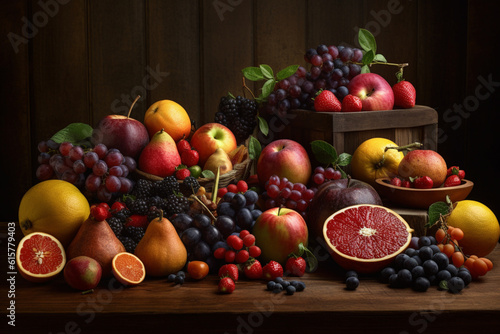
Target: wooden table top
(324,305)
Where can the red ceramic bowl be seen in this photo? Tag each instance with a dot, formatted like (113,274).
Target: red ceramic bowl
(420,198)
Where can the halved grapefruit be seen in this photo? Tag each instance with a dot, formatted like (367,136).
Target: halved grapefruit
(40,257)
(128,269)
(366,237)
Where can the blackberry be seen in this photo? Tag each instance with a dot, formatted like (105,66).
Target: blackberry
(168,186)
(239,115)
(122,215)
(116,225)
(128,243)
(143,189)
(139,207)
(134,232)
(176,204)
(154,212)
(189,186)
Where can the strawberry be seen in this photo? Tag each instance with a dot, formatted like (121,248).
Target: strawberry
(327,101)
(272,270)
(423,182)
(182,145)
(404,94)
(99,212)
(406,184)
(351,103)
(137,221)
(456,171)
(295,266)
(396,181)
(118,206)
(253,269)
(452,180)
(229,270)
(182,173)
(226,285)
(190,157)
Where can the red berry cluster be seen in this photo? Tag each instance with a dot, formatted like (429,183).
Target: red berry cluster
(454,176)
(103,211)
(241,248)
(240,187)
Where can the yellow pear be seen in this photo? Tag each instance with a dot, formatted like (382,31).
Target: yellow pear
(160,249)
(219,159)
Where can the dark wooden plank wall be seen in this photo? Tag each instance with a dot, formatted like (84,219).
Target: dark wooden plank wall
(86,59)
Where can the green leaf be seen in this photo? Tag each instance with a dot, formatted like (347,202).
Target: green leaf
(365,69)
(367,40)
(268,88)
(254,148)
(253,73)
(344,159)
(263,126)
(380,57)
(267,71)
(436,210)
(368,57)
(74,133)
(324,152)
(208,174)
(286,72)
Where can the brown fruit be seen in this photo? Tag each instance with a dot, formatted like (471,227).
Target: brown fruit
(219,159)
(429,163)
(96,240)
(160,249)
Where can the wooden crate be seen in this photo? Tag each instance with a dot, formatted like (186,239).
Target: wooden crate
(347,130)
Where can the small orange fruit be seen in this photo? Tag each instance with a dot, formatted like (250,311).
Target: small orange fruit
(171,117)
(128,269)
(197,269)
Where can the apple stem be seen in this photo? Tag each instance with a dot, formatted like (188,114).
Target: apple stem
(279,209)
(409,147)
(348,180)
(132,106)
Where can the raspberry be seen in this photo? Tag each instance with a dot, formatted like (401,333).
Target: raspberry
(221,192)
(182,173)
(232,188)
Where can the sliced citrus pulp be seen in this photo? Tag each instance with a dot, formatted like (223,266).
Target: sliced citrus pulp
(365,237)
(128,269)
(40,257)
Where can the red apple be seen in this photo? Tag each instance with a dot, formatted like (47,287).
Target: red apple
(335,195)
(210,137)
(278,233)
(429,163)
(284,158)
(123,133)
(373,90)
(82,273)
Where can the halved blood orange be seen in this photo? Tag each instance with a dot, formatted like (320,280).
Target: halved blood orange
(40,257)
(128,269)
(365,237)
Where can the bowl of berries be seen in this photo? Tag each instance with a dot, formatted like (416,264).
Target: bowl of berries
(405,194)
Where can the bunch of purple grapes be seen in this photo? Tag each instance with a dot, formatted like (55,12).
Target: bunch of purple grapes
(98,172)
(331,68)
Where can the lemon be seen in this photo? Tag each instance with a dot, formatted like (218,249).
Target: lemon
(55,207)
(480,227)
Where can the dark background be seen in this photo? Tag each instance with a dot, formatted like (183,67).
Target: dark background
(86,59)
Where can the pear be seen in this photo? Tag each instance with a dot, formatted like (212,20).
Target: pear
(160,156)
(96,240)
(219,159)
(161,249)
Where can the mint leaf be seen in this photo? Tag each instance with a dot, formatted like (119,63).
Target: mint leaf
(267,71)
(254,148)
(344,159)
(367,40)
(208,174)
(324,152)
(253,73)
(286,72)
(75,133)
(263,126)
(436,210)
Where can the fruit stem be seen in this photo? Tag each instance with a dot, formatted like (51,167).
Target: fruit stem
(401,65)
(204,206)
(133,103)
(409,147)
(86,292)
(245,86)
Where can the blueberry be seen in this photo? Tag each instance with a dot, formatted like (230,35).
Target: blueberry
(410,263)
(417,272)
(171,278)
(385,273)
(435,249)
(430,268)
(404,276)
(181,273)
(285,284)
(393,281)
(425,253)
(452,269)
(442,260)
(465,275)
(300,286)
(443,275)
(410,252)
(424,241)
(352,283)
(421,284)
(279,280)
(399,260)
(290,290)
(418,259)
(179,280)
(238,201)
(271,285)
(277,288)
(456,284)
(351,273)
